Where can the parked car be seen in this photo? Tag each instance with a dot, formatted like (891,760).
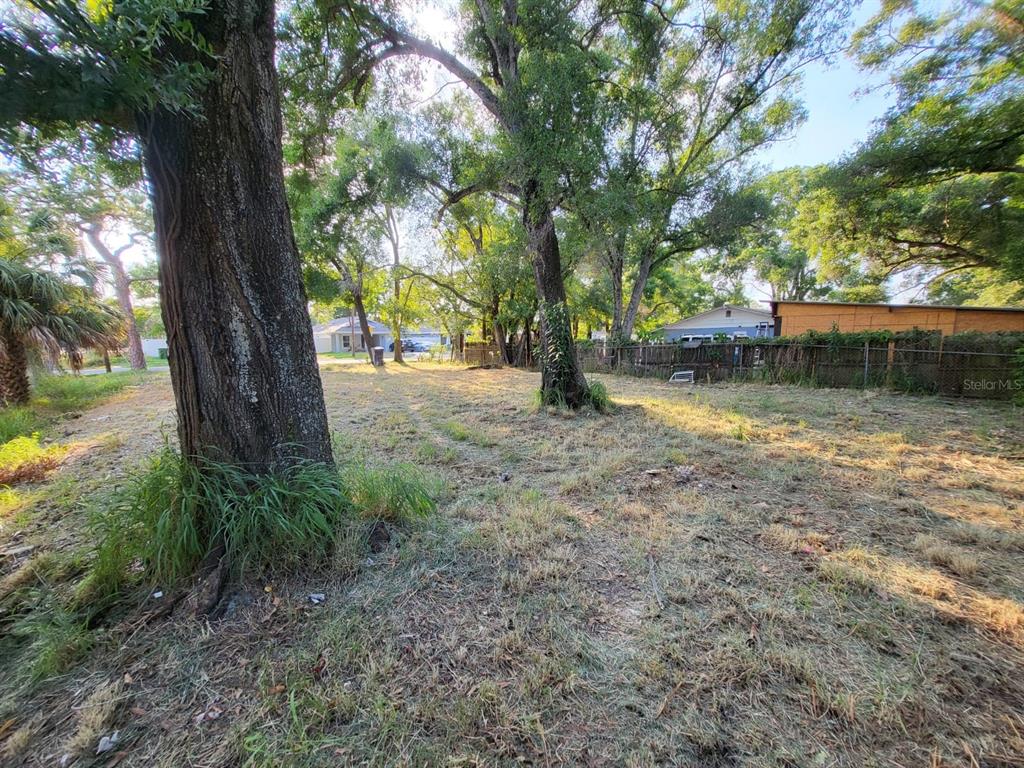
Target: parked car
(407,346)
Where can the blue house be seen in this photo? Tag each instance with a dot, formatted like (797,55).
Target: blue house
(732,321)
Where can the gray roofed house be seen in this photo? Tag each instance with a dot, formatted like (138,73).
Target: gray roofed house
(343,334)
(338,335)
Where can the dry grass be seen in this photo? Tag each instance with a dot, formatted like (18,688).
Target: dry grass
(736,575)
(94,717)
(939,552)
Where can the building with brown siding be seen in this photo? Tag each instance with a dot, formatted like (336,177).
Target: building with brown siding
(795,317)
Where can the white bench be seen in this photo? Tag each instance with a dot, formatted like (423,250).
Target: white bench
(681,377)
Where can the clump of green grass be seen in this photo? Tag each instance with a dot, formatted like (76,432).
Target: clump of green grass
(431,453)
(174,513)
(598,397)
(461,433)
(396,493)
(455,430)
(595,397)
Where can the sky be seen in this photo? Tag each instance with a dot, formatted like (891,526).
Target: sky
(841,104)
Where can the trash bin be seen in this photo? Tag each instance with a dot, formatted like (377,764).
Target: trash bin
(377,356)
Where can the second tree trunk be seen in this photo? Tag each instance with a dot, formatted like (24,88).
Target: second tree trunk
(562,381)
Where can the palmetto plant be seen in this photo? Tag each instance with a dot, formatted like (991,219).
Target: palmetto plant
(42,314)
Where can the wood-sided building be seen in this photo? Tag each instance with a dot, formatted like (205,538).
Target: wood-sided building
(795,317)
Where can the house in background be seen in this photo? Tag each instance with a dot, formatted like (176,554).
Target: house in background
(155,348)
(430,337)
(795,317)
(344,334)
(730,320)
(340,334)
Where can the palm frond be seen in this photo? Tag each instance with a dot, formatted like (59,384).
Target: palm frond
(54,315)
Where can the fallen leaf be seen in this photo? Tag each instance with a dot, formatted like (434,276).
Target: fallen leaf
(107,743)
(276,689)
(212,713)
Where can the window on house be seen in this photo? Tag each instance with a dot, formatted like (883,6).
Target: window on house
(728,313)
(346,341)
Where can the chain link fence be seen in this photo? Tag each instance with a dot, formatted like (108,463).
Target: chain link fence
(963,373)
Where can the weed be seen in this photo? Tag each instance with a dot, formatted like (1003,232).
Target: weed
(455,430)
(461,433)
(56,637)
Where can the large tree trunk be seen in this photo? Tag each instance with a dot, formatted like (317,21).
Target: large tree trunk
(562,380)
(243,366)
(14,370)
(122,290)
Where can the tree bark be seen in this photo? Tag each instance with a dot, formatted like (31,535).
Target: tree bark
(642,275)
(14,370)
(499,333)
(123,293)
(364,324)
(562,380)
(243,365)
(615,272)
(391,223)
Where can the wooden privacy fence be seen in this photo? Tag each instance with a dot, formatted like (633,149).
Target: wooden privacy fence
(966,373)
(481,353)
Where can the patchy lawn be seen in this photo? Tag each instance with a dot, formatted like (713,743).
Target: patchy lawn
(709,576)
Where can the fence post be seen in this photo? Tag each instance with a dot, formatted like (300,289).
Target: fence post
(889,360)
(867,350)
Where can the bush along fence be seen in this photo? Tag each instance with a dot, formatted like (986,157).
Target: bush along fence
(968,365)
